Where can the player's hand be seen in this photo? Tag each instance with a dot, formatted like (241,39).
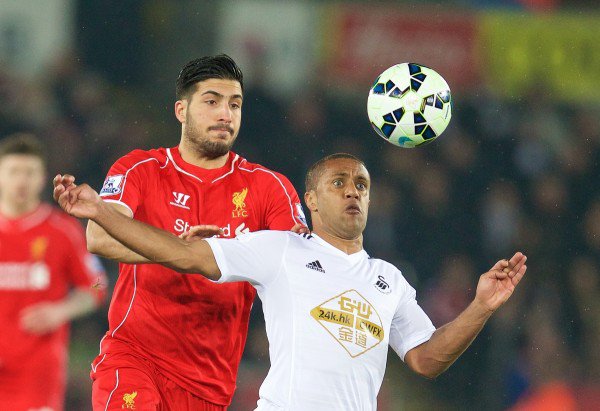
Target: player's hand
(79,201)
(42,318)
(62,183)
(300,229)
(200,232)
(497,285)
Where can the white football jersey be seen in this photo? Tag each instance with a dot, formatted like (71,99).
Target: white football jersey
(329,317)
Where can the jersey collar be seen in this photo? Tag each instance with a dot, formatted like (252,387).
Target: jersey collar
(202,174)
(352,258)
(26,221)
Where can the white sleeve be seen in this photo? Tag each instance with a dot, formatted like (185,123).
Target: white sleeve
(254,257)
(410,325)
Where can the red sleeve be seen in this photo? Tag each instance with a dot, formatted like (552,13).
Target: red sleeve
(84,270)
(284,209)
(125,181)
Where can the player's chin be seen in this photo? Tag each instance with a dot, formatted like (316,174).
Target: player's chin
(355,225)
(222,135)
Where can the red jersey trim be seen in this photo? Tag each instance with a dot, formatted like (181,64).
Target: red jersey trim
(113,390)
(94,368)
(131,302)
(264,170)
(181,170)
(235,159)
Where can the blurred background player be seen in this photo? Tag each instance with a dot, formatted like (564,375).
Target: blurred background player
(176,341)
(47,278)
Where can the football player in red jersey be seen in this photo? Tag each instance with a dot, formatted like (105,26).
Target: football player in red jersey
(47,278)
(175,342)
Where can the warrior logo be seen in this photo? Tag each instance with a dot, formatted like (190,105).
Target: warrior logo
(180,200)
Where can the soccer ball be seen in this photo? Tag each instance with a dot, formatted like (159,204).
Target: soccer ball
(409,105)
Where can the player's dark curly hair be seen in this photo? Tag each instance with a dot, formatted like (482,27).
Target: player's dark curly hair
(208,67)
(22,143)
(316,170)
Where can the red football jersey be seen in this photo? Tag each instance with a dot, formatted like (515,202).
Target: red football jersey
(42,256)
(193,330)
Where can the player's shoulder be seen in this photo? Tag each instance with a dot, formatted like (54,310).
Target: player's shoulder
(383,266)
(258,171)
(265,237)
(276,235)
(303,240)
(155,156)
(382,263)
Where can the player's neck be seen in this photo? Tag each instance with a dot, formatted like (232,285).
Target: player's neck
(12,210)
(194,157)
(350,246)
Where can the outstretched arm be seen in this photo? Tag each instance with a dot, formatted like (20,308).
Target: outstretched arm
(98,240)
(156,245)
(495,287)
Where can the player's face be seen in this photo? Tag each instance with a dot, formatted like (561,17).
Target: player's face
(21,179)
(342,198)
(212,117)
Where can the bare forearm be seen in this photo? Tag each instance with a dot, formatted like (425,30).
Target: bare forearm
(102,244)
(450,341)
(157,245)
(78,303)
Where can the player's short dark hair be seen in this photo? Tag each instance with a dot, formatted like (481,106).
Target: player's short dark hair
(316,170)
(208,67)
(22,143)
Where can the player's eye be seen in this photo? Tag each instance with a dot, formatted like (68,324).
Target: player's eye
(236,106)
(361,186)
(211,102)
(338,183)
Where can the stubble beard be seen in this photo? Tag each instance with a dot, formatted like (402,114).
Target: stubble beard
(203,145)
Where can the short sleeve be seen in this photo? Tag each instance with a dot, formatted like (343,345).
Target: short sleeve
(254,257)
(126,179)
(410,325)
(284,209)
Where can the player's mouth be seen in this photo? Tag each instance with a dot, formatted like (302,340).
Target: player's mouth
(352,209)
(222,129)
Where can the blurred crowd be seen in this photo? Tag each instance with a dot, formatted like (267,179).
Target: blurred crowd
(507,175)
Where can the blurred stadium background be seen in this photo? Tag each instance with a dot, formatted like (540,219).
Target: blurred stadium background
(517,168)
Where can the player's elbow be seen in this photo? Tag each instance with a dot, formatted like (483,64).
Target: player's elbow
(93,245)
(430,374)
(98,246)
(425,365)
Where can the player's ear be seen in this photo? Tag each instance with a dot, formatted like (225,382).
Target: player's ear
(180,110)
(310,198)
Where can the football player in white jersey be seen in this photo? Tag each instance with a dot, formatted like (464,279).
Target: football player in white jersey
(330,309)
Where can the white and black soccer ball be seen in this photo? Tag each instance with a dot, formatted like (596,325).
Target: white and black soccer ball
(409,105)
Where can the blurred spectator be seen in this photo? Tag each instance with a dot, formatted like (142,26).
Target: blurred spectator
(501,217)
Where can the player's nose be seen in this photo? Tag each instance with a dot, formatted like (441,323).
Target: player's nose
(225,114)
(351,191)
